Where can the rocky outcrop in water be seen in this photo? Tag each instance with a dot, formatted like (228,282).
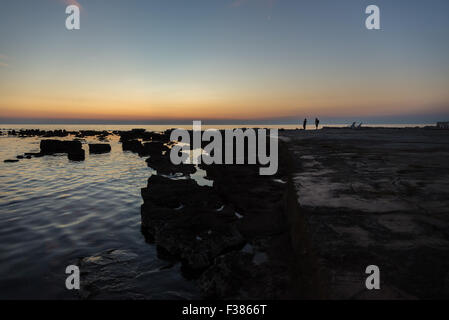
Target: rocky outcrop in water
(132,145)
(153,148)
(182,219)
(163,165)
(232,237)
(98,148)
(59,146)
(23,133)
(10,160)
(73,149)
(143,142)
(76,155)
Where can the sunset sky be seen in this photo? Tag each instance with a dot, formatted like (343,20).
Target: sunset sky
(168,60)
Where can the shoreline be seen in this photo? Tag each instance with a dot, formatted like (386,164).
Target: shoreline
(305,233)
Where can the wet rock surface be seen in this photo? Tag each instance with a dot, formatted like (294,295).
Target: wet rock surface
(375,197)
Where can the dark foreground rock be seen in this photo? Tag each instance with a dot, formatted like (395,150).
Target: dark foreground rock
(232,238)
(182,219)
(99,148)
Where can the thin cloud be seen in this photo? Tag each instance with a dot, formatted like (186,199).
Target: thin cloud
(2,64)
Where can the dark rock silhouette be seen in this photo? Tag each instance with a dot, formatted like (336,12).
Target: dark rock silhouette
(91,133)
(232,237)
(73,149)
(59,146)
(181,217)
(10,160)
(163,165)
(136,134)
(132,145)
(153,148)
(40,133)
(99,148)
(76,155)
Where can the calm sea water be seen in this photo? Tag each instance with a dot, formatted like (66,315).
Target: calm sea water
(53,211)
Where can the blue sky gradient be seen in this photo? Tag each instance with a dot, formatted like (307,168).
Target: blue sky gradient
(224,60)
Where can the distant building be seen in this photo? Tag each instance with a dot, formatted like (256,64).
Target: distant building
(443,125)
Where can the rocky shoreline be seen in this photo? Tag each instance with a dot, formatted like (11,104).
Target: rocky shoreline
(232,239)
(342,199)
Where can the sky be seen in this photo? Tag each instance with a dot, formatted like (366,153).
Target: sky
(224,60)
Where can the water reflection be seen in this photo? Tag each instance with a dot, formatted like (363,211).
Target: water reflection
(53,211)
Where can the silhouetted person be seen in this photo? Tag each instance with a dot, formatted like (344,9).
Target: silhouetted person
(317,122)
(304,124)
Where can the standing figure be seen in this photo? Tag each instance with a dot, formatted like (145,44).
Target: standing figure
(304,124)
(317,122)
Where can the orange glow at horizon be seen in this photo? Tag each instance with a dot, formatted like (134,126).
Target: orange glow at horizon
(204,104)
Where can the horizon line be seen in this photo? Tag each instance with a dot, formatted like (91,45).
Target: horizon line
(406,119)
